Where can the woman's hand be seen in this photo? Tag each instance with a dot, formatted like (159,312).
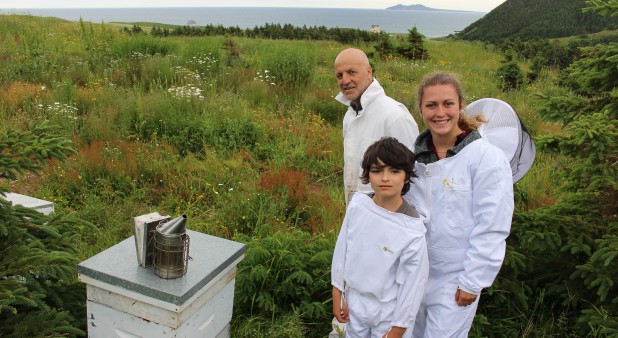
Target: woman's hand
(395,332)
(463,298)
(340,307)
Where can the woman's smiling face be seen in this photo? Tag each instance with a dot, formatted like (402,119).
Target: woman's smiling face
(440,109)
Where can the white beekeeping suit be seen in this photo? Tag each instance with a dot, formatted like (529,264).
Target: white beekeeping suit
(381,259)
(470,199)
(380,116)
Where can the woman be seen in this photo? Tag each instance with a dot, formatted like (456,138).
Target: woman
(466,184)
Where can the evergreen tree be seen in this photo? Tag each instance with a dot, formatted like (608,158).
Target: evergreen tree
(385,46)
(510,76)
(604,7)
(39,292)
(415,49)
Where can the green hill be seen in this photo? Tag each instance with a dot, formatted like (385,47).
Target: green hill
(534,19)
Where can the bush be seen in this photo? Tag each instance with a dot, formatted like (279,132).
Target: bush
(233,134)
(185,133)
(510,76)
(286,272)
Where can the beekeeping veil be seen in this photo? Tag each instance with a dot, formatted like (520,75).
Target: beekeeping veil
(505,130)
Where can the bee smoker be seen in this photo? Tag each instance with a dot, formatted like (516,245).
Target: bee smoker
(171,248)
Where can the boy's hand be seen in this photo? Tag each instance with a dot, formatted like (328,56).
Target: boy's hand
(395,332)
(340,307)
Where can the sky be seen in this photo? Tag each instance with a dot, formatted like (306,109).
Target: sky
(469,5)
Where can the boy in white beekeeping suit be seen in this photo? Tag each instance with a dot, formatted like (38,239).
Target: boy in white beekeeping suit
(380,260)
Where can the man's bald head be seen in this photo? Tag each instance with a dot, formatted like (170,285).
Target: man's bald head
(353,72)
(352,54)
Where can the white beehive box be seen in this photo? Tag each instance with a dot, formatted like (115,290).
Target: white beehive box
(127,300)
(42,206)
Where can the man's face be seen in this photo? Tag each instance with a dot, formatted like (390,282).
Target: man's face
(353,77)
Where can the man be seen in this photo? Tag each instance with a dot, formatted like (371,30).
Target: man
(370,116)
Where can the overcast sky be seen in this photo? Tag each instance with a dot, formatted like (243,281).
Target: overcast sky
(469,5)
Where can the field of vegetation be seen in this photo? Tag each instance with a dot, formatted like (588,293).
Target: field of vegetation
(244,137)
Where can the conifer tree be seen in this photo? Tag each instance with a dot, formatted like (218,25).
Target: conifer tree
(510,76)
(415,49)
(39,292)
(385,46)
(588,205)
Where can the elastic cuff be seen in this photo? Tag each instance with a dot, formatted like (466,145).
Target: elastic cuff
(474,292)
(337,286)
(405,325)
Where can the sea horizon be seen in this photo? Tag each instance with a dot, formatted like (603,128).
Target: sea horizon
(431,23)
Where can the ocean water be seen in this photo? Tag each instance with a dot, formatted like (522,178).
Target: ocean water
(429,23)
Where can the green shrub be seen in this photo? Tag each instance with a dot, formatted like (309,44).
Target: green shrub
(233,134)
(286,272)
(510,76)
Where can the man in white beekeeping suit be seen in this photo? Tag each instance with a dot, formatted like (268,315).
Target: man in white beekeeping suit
(370,115)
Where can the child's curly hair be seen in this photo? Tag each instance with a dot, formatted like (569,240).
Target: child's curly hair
(391,153)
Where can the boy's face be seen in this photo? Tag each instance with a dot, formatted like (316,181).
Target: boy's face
(386,181)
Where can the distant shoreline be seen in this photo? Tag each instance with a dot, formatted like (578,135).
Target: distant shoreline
(429,23)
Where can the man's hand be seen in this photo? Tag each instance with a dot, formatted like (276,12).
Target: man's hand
(340,307)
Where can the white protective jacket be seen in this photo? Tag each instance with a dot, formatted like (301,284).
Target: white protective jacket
(383,255)
(380,116)
(470,201)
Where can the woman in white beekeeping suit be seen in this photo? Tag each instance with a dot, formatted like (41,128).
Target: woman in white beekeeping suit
(466,184)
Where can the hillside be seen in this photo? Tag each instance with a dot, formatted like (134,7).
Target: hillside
(532,19)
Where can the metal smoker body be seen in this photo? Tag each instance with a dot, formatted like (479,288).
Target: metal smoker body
(171,248)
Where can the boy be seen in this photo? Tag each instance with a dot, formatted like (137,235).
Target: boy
(380,258)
